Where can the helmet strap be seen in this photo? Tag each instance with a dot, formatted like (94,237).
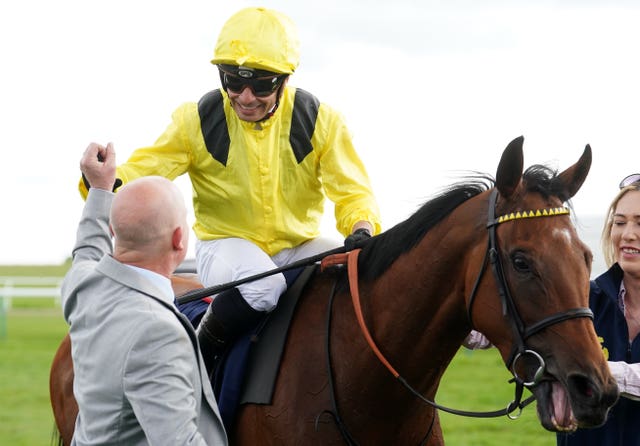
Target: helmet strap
(275,106)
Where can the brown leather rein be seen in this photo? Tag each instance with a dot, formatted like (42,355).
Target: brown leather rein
(521,332)
(351,260)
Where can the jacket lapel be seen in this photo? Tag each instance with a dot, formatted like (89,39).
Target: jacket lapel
(120,273)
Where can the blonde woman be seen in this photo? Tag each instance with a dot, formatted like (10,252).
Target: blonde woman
(615,302)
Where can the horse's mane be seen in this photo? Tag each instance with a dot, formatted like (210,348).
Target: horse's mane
(384,249)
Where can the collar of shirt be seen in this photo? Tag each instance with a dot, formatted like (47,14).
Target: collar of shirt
(158,280)
(621,294)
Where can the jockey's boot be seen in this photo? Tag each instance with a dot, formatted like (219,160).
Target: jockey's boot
(227,317)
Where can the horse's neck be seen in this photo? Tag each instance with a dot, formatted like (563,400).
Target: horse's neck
(418,310)
(417,332)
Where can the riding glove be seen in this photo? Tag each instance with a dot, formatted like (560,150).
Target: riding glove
(357,239)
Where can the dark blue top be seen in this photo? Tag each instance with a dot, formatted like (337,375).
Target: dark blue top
(623,423)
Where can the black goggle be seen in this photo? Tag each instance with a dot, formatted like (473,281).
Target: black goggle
(260,86)
(629,180)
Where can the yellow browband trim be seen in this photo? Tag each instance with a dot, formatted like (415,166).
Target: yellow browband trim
(532,214)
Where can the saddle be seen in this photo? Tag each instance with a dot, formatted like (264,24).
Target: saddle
(248,371)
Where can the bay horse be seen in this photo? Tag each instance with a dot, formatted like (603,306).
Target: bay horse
(501,256)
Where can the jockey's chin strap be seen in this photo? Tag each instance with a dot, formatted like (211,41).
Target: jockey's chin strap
(351,259)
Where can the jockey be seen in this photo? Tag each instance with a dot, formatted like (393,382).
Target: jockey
(261,156)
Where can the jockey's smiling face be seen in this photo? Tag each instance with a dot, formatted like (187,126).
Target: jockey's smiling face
(250,107)
(253,94)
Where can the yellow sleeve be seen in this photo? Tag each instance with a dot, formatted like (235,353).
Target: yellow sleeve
(344,176)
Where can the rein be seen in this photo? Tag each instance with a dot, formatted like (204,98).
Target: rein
(352,269)
(521,331)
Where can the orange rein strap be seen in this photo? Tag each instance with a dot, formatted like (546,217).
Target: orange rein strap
(352,268)
(352,271)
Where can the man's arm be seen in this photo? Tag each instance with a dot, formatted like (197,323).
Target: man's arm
(93,239)
(98,165)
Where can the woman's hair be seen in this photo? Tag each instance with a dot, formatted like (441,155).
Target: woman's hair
(608,249)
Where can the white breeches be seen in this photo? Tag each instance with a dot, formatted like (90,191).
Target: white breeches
(229,259)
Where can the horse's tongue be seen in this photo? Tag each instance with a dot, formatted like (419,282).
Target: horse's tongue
(562,415)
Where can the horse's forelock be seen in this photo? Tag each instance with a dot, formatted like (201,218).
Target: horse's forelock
(545,181)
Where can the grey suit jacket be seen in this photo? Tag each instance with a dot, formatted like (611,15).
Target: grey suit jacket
(139,375)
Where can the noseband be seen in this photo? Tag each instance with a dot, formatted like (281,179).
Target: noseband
(509,309)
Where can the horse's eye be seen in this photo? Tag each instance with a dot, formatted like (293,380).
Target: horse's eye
(520,263)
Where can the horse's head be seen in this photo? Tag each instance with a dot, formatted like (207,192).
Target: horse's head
(541,271)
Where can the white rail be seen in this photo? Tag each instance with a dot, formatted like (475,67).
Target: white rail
(28,287)
(25,287)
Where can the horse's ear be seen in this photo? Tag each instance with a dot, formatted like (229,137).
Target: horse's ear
(574,176)
(510,168)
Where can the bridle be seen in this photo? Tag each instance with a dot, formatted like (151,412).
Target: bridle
(509,309)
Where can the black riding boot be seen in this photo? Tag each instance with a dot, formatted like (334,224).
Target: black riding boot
(227,317)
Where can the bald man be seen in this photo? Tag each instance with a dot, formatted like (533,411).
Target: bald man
(139,375)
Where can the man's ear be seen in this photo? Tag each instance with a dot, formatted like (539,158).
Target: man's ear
(176,239)
(111,231)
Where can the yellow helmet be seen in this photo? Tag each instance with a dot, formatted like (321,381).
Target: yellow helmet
(259,38)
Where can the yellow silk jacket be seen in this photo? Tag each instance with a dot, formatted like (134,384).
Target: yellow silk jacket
(263,182)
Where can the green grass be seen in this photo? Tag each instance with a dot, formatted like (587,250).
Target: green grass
(26,353)
(23,303)
(35,270)
(478,381)
(29,337)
